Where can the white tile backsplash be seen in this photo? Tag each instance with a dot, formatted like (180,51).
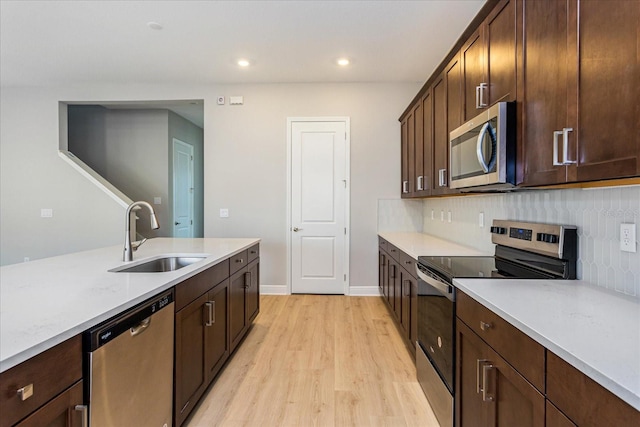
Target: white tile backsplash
(597,213)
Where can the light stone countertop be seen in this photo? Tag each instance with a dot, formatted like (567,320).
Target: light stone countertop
(595,330)
(45,302)
(420,244)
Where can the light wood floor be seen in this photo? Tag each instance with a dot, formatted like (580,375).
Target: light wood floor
(313,360)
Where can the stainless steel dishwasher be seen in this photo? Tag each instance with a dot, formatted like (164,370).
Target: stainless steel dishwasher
(129,362)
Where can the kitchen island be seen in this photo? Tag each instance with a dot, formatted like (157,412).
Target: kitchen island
(47,301)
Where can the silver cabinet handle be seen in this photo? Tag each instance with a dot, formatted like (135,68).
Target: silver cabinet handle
(141,327)
(482,88)
(442,174)
(83,410)
(419,185)
(296,229)
(479,386)
(477,97)
(486,397)
(239,261)
(211,305)
(405,187)
(565,146)
(485,326)
(556,134)
(25,392)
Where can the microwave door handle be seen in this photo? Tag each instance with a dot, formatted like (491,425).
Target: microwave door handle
(483,131)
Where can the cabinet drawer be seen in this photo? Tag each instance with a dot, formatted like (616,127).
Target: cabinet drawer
(254,252)
(195,286)
(393,251)
(408,264)
(522,352)
(238,261)
(382,244)
(49,373)
(583,400)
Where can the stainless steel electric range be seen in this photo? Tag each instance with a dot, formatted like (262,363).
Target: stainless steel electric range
(523,250)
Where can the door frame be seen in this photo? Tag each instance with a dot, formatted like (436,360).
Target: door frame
(347,195)
(176,141)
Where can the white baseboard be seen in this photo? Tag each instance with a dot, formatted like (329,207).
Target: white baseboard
(273,289)
(355,291)
(364,291)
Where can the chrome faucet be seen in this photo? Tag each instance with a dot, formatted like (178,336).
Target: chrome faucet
(129,246)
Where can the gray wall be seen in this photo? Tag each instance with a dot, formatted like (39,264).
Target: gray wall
(132,149)
(244,158)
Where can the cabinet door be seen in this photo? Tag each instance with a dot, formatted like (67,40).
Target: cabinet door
(382,270)
(405,319)
(417,174)
(555,418)
(237,285)
(216,349)
(59,412)
(605,141)
(502,396)
(544,76)
(440,137)
(473,55)
(189,364)
(500,38)
(427,144)
(404,166)
(252,292)
(394,277)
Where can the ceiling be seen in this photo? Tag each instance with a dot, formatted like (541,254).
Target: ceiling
(45,43)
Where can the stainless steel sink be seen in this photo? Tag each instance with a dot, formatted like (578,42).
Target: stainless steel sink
(160,265)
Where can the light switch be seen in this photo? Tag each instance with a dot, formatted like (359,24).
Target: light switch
(46,213)
(157,200)
(236,100)
(224,213)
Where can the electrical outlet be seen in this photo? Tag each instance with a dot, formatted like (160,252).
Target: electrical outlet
(46,213)
(27,259)
(157,200)
(224,213)
(628,237)
(449,217)
(433,214)
(481,220)
(442,216)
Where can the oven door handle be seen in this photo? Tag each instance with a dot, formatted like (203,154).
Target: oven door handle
(444,288)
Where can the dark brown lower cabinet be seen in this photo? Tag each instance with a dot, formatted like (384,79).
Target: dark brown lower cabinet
(190,375)
(65,410)
(216,348)
(555,418)
(490,392)
(244,302)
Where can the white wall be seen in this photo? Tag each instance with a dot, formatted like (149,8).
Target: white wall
(245,167)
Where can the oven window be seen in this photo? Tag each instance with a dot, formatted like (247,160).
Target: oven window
(436,330)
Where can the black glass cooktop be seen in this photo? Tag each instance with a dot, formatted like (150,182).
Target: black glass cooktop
(449,267)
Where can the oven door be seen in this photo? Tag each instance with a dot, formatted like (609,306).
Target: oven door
(435,352)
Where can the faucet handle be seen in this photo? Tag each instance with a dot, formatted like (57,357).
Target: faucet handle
(135,245)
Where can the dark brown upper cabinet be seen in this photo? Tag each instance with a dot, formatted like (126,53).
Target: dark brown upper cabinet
(489,61)
(579,91)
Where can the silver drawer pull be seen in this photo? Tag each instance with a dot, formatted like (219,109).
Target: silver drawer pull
(25,392)
(485,326)
(85,418)
(141,327)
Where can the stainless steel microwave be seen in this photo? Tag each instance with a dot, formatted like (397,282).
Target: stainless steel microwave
(482,152)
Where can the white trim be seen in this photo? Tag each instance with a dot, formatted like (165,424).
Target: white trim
(95,178)
(273,290)
(347,121)
(364,291)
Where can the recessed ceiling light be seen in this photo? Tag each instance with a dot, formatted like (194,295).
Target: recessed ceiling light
(343,62)
(154,25)
(243,63)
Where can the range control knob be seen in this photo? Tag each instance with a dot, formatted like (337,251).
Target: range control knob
(548,238)
(498,230)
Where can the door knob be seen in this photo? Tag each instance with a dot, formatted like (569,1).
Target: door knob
(296,229)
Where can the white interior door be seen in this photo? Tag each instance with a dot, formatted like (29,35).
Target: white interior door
(318,206)
(183,178)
